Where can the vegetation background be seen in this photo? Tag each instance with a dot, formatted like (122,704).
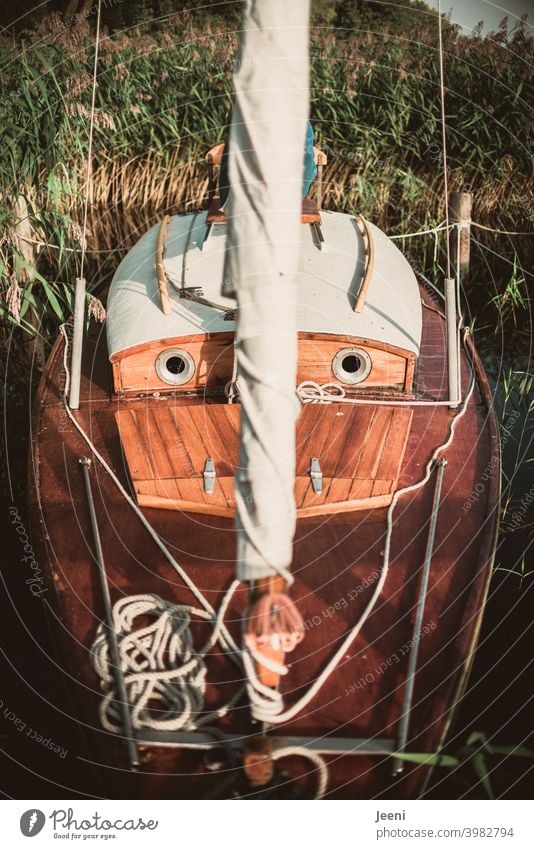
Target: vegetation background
(163,97)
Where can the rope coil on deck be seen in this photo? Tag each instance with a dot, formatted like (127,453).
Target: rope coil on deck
(165,676)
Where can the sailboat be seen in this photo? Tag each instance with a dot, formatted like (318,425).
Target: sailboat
(266,492)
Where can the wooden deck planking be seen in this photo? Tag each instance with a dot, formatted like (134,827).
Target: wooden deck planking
(360,453)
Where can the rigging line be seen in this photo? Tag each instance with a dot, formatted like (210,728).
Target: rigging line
(90,148)
(444,136)
(436,229)
(500,256)
(501,232)
(267,705)
(231,646)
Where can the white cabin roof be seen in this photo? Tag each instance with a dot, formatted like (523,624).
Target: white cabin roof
(327,283)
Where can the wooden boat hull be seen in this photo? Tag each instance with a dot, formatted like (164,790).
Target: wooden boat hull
(337,561)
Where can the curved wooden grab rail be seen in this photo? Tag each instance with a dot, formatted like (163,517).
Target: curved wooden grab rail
(363,226)
(160,270)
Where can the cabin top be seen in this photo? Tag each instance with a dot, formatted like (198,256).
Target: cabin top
(328,282)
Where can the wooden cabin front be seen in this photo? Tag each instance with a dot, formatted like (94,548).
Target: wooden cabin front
(356,452)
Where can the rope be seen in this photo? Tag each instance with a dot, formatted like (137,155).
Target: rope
(227,640)
(298,751)
(163,673)
(67,250)
(90,147)
(267,704)
(432,230)
(444,136)
(502,232)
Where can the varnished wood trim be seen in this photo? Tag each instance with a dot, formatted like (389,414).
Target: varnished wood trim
(411,361)
(180,341)
(171,342)
(316,351)
(356,340)
(160,270)
(369,264)
(215,154)
(355,504)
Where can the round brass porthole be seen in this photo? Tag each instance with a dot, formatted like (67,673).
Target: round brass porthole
(175,366)
(351,365)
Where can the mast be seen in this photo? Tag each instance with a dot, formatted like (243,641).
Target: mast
(263,241)
(267,139)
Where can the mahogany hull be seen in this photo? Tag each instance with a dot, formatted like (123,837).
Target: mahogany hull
(337,560)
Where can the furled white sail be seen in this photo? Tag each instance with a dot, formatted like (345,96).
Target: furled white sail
(262,251)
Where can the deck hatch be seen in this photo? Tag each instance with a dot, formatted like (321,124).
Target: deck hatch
(360,451)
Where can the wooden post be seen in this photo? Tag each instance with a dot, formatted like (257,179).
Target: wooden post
(77,343)
(451,315)
(460,210)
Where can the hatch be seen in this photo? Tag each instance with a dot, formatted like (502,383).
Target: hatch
(184,456)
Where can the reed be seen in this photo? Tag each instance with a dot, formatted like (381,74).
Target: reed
(164,98)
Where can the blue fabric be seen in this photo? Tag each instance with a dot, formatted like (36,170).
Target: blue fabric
(310,168)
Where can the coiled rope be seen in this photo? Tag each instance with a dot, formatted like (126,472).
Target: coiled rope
(266,703)
(317,760)
(164,675)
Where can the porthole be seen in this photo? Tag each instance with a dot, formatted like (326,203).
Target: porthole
(175,366)
(351,365)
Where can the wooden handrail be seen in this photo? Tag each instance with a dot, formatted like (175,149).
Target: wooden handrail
(319,156)
(215,154)
(160,269)
(363,226)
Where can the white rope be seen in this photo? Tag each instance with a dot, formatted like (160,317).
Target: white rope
(229,642)
(267,704)
(165,677)
(90,147)
(317,760)
(68,250)
(432,230)
(311,392)
(502,232)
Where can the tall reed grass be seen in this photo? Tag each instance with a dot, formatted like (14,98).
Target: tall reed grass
(163,99)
